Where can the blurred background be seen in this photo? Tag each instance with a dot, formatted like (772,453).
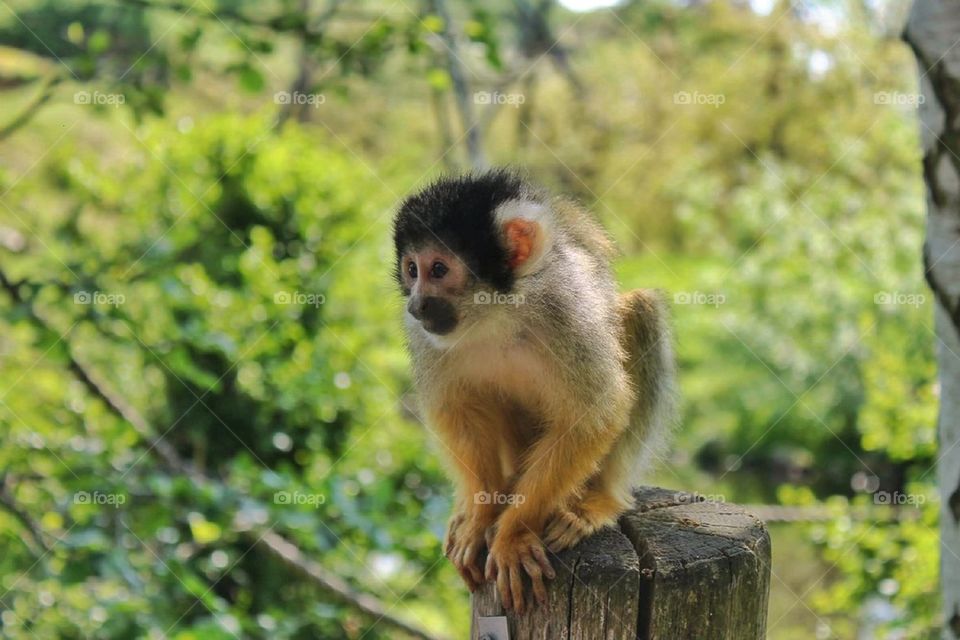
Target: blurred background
(204,397)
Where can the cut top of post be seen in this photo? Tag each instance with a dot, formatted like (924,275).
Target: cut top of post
(677,566)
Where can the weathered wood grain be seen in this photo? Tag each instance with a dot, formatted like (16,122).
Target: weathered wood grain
(705,567)
(677,567)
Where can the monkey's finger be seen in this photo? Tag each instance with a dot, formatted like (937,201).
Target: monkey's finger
(503,585)
(464,574)
(550,538)
(472,575)
(452,527)
(472,584)
(559,527)
(543,561)
(470,561)
(516,586)
(558,542)
(490,571)
(467,570)
(467,578)
(460,553)
(536,578)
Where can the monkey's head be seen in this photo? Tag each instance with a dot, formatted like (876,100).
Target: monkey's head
(462,243)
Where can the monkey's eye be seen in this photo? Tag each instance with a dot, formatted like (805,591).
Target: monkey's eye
(438,270)
(412,269)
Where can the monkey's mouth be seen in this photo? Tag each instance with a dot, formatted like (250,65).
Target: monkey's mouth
(440,325)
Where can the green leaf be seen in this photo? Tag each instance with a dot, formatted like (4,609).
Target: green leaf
(251,79)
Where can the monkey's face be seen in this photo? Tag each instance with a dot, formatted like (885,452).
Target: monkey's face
(460,242)
(435,282)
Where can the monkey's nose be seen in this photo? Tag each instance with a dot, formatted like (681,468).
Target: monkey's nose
(417,307)
(436,314)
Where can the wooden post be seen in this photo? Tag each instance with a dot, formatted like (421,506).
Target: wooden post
(678,566)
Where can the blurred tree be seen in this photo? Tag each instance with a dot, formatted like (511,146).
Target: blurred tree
(932,32)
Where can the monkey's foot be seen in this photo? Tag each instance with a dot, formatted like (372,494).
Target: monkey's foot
(567,527)
(466,540)
(510,557)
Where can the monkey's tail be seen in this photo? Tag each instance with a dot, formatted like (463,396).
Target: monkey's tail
(648,343)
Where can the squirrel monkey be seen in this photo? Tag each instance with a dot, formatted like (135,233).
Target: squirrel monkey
(546,388)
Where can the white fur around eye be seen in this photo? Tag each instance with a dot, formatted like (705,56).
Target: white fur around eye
(537,213)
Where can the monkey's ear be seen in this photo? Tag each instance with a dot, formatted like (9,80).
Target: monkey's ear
(527,232)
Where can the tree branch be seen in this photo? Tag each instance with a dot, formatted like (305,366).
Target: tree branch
(332,584)
(461,90)
(29,111)
(36,542)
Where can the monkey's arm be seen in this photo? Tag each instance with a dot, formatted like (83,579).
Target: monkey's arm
(556,467)
(470,434)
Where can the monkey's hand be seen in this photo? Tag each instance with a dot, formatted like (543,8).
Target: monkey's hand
(513,553)
(467,537)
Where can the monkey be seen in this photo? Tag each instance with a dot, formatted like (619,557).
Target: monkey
(547,390)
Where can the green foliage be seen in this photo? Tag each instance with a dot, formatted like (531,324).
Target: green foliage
(229,278)
(883,559)
(805,330)
(232,298)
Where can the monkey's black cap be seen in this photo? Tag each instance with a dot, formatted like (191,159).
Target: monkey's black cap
(457,213)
